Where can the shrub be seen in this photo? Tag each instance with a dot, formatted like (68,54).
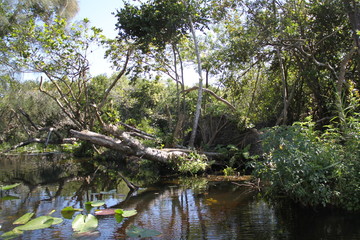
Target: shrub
(310,167)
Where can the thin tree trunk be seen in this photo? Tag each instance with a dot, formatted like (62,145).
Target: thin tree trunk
(285,89)
(200,90)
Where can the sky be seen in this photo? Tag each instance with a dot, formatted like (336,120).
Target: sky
(99,12)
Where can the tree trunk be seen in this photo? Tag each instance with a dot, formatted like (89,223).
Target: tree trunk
(127,145)
(200,91)
(130,146)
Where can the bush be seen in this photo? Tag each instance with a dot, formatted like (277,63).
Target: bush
(310,167)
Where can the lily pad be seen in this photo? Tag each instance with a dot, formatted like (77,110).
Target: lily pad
(68,212)
(137,232)
(104,212)
(8,187)
(40,223)
(71,209)
(12,234)
(119,211)
(24,218)
(84,223)
(95,203)
(129,213)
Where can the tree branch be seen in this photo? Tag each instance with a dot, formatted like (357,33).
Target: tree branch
(212,94)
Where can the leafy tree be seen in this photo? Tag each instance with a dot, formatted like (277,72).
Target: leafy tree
(158,23)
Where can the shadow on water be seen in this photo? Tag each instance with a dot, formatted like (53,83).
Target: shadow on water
(189,208)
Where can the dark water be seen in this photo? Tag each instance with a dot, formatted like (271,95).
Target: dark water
(191,208)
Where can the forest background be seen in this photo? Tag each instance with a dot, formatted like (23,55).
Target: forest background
(288,68)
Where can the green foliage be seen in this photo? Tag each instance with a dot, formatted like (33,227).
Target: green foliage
(40,223)
(8,187)
(310,167)
(26,224)
(192,164)
(156,22)
(229,171)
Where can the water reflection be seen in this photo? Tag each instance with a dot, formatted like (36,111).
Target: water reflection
(219,211)
(192,208)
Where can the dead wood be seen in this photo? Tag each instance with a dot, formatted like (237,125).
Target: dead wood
(127,145)
(130,146)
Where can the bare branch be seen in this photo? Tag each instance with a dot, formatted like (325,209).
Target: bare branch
(212,94)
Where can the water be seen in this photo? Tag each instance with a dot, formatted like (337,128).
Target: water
(189,208)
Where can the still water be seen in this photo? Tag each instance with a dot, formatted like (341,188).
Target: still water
(190,208)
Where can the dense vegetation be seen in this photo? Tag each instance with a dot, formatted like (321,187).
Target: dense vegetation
(289,68)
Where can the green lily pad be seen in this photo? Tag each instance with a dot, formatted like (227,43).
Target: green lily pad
(125,213)
(40,223)
(129,213)
(119,211)
(24,218)
(57,220)
(71,209)
(84,223)
(137,232)
(95,203)
(8,187)
(68,212)
(11,234)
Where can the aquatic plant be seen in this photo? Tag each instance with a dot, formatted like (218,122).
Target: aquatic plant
(81,224)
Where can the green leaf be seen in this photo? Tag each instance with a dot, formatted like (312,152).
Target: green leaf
(129,213)
(9,197)
(84,223)
(119,218)
(70,209)
(24,218)
(12,234)
(57,220)
(137,232)
(37,223)
(68,212)
(119,211)
(97,203)
(8,187)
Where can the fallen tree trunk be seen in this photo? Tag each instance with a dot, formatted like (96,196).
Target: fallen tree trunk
(127,145)
(130,146)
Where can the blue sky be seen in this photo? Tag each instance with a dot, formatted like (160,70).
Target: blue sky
(99,14)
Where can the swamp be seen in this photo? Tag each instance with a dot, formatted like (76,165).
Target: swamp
(229,119)
(170,208)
